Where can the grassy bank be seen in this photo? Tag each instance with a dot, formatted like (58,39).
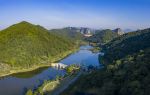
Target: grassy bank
(53,87)
(56,86)
(14,70)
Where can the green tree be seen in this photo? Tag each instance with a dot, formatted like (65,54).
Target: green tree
(29,92)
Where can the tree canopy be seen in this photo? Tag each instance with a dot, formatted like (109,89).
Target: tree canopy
(25,44)
(126,71)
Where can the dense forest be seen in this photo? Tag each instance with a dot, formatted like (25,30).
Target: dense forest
(126,68)
(25,45)
(71,34)
(102,36)
(127,44)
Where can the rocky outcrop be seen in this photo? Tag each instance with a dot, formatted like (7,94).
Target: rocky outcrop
(119,31)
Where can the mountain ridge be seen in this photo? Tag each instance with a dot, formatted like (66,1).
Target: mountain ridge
(25,45)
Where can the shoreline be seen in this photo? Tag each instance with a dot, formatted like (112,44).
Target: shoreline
(23,70)
(38,66)
(55,86)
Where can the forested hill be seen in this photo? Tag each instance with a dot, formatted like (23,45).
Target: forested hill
(127,45)
(102,36)
(25,44)
(71,34)
(126,71)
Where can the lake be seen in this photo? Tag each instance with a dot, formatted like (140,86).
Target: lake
(17,84)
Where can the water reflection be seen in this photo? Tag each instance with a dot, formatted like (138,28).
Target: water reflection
(16,84)
(30,73)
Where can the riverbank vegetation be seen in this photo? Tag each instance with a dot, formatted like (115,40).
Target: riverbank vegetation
(72,69)
(50,86)
(95,49)
(126,71)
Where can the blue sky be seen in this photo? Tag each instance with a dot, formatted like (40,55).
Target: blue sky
(133,14)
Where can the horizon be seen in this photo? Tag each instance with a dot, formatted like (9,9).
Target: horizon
(72,27)
(95,14)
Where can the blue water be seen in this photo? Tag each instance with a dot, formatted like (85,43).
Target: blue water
(83,56)
(17,84)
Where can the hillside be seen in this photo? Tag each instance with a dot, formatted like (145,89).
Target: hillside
(127,45)
(25,45)
(72,33)
(126,71)
(102,36)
